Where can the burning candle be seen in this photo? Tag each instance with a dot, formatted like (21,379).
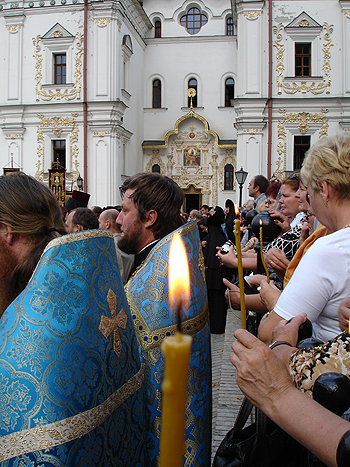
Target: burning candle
(237,233)
(176,350)
(262,253)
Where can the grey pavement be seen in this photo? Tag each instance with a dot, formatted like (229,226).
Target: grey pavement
(227,397)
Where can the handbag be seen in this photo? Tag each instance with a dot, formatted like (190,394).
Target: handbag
(261,444)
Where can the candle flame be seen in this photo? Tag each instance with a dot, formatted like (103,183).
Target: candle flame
(260,222)
(236,210)
(179,275)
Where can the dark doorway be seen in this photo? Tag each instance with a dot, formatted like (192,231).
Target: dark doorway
(191,202)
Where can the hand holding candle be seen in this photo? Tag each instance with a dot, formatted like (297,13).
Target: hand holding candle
(262,253)
(176,351)
(237,233)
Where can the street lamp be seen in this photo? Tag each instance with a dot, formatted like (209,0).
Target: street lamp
(241,176)
(80,183)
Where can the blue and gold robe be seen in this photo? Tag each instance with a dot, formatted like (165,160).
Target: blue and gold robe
(70,372)
(147,294)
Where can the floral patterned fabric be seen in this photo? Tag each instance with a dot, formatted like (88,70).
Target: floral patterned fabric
(70,372)
(147,294)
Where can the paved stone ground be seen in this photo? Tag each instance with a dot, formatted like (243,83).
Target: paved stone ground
(227,397)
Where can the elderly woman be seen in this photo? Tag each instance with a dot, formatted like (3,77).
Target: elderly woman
(320,282)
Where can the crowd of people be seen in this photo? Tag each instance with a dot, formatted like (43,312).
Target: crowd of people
(309,266)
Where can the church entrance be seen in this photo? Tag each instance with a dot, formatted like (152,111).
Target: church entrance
(193,198)
(191,202)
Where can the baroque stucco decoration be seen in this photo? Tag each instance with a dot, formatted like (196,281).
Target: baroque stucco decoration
(66,94)
(156,159)
(228,159)
(303,121)
(56,125)
(303,87)
(175,131)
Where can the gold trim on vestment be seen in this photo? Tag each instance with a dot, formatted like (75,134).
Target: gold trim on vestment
(77,237)
(148,338)
(60,432)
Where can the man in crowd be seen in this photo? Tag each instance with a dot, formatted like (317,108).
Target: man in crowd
(256,189)
(194,214)
(150,210)
(29,218)
(57,335)
(150,213)
(80,219)
(108,220)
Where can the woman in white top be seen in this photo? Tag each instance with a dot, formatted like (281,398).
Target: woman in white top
(321,280)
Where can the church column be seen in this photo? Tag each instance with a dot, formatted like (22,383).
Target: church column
(14,25)
(214,180)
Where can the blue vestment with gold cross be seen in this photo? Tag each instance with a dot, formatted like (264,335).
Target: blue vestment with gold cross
(70,372)
(147,294)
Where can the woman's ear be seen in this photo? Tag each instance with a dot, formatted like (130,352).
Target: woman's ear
(324,190)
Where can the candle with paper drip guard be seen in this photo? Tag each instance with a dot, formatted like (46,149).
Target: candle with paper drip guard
(262,253)
(176,350)
(237,233)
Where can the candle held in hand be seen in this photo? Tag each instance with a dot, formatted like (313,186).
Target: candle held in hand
(237,233)
(262,253)
(176,350)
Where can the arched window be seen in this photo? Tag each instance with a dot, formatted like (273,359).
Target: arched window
(156,168)
(193,21)
(192,83)
(228,182)
(229,91)
(157,29)
(229,27)
(156,94)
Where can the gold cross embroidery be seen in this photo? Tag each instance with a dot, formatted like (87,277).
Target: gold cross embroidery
(107,325)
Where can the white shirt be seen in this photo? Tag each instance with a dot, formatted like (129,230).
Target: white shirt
(319,284)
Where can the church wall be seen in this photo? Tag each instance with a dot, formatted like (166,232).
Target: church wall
(33,112)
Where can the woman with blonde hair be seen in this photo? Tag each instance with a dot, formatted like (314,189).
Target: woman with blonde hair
(320,282)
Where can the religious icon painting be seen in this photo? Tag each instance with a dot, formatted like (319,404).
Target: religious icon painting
(192,156)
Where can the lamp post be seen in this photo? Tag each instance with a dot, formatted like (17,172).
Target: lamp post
(80,183)
(241,176)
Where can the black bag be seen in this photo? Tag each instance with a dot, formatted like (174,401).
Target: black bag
(261,444)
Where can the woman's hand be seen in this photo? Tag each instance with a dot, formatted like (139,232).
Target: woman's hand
(269,294)
(260,374)
(277,260)
(344,314)
(281,220)
(250,244)
(255,280)
(229,259)
(288,331)
(233,290)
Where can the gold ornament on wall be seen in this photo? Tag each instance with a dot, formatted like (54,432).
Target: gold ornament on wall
(67,95)
(56,125)
(303,87)
(303,120)
(252,14)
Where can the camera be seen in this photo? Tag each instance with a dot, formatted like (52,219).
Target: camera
(226,247)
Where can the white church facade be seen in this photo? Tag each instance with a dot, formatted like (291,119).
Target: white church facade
(194,89)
